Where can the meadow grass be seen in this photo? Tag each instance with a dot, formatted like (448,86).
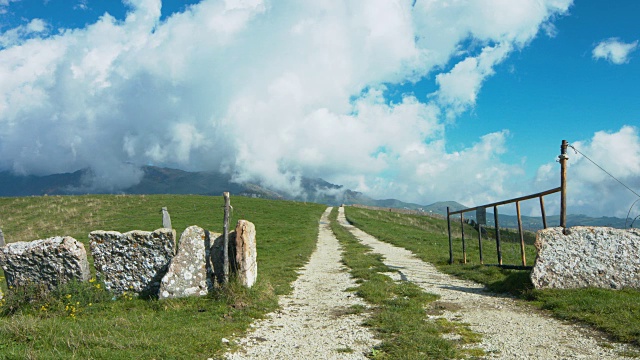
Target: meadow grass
(398,308)
(83,321)
(616,312)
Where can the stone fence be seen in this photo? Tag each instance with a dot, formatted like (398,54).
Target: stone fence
(147,263)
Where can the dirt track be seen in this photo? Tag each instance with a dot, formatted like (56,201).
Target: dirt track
(314,322)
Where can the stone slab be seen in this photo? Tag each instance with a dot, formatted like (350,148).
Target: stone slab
(246,253)
(47,262)
(190,272)
(134,261)
(587,256)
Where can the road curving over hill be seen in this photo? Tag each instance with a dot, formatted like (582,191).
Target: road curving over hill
(510,329)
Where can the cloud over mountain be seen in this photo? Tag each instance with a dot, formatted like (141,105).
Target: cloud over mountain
(268,91)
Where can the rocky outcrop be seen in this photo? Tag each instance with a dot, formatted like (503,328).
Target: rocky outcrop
(47,262)
(134,261)
(587,257)
(245,253)
(190,272)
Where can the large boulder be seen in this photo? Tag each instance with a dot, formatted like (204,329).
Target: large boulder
(190,272)
(587,257)
(134,261)
(246,253)
(47,262)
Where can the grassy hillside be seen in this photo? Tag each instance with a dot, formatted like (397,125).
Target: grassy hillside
(82,321)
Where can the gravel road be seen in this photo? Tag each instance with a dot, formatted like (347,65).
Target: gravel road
(313,322)
(509,328)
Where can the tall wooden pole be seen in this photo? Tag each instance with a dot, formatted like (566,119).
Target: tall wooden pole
(563,183)
(227,205)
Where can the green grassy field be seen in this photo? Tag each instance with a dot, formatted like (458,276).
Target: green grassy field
(82,321)
(615,312)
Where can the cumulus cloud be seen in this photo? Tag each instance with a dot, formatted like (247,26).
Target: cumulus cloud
(268,91)
(618,153)
(614,50)
(17,35)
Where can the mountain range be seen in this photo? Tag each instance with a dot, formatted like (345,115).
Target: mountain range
(158,180)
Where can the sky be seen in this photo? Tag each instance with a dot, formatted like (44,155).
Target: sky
(418,100)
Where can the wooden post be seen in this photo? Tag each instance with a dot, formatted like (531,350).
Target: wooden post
(495,218)
(480,242)
(464,247)
(450,241)
(544,216)
(225,266)
(563,183)
(522,253)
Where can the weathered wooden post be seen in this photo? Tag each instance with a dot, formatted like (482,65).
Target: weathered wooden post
(522,253)
(563,183)
(464,247)
(480,242)
(450,241)
(481,219)
(544,216)
(166,219)
(498,247)
(225,266)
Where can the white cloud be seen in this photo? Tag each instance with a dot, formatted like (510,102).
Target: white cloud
(81,5)
(17,35)
(614,50)
(459,88)
(590,190)
(268,90)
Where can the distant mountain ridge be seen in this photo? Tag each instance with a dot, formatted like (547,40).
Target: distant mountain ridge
(158,180)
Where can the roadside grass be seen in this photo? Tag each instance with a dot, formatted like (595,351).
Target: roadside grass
(398,315)
(81,320)
(616,312)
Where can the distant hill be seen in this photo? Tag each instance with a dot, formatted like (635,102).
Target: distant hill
(157,180)
(56,184)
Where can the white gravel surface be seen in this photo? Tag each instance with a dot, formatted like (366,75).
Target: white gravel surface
(312,323)
(509,328)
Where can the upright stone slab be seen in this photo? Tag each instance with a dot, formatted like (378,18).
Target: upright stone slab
(190,272)
(134,261)
(47,262)
(246,262)
(2,243)
(587,257)
(166,219)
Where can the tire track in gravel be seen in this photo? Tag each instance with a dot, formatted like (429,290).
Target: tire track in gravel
(509,330)
(312,322)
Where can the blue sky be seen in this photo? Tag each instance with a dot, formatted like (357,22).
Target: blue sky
(437,100)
